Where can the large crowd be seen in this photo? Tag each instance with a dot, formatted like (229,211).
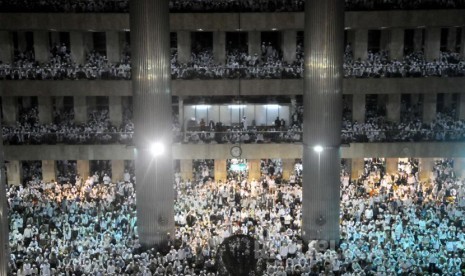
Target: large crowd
(391,224)
(122,6)
(99,130)
(267,64)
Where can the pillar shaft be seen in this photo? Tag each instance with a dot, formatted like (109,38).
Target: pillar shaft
(22,42)
(288,168)
(432,43)
(77,47)
(220,170)
(87,43)
(452,39)
(41,46)
(187,169)
(13,172)
(459,167)
(418,39)
(4,225)
(10,110)
(360,46)
(45,109)
(461,107)
(6,47)
(184,46)
(426,168)
(83,168)
(150,35)
(324,33)
(356,168)
(181,113)
(113,46)
(116,110)
(254,169)
(219,47)
(429,107)
(289,45)
(396,43)
(117,170)
(358,107)
(80,109)
(393,107)
(462,43)
(254,43)
(392,165)
(49,170)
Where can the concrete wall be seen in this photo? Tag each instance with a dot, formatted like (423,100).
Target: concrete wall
(231,87)
(228,21)
(222,151)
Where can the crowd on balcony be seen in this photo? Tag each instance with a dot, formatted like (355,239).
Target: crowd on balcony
(391,224)
(267,64)
(61,66)
(99,130)
(122,6)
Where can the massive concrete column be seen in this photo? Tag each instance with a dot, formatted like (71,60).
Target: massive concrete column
(6,47)
(116,110)
(187,169)
(184,46)
(49,170)
(13,172)
(452,39)
(360,46)
(41,46)
(393,107)
(80,109)
(324,34)
(83,168)
(358,107)
(77,47)
(254,43)
(356,168)
(150,48)
(9,110)
(396,43)
(289,45)
(254,169)
(432,43)
(45,109)
(114,46)
(220,170)
(117,170)
(219,47)
(429,107)
(4,225)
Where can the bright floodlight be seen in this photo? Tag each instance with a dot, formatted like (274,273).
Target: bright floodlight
(318,149)
(157,149)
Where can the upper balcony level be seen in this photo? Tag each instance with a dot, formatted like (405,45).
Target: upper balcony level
(226,6)
(230,21)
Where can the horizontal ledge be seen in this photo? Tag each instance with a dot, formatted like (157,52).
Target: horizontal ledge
(222,151)
(231,87)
